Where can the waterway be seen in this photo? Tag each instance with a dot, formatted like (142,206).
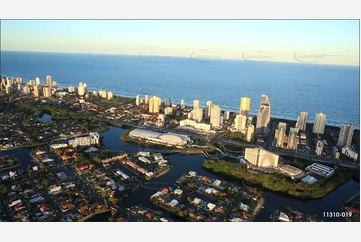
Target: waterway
(45,118)
(23,155)
(184,163)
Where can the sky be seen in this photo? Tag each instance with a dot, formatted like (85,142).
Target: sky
(310,41)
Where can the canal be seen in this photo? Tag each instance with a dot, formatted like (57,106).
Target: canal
(184,163)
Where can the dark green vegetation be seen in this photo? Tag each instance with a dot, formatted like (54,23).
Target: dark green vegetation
(236,136)
(116,102)
(119,125)
(88,123)
(278,182)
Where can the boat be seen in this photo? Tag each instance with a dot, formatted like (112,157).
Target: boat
(47,160)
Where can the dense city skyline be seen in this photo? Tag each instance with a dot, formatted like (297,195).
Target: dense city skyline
(199,111)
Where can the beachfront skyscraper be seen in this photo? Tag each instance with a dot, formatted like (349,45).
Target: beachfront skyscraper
(319,124)
(302,121)
(146,99)
(46,91)
(196,104)
(154,104)
(197,114)
(345,136)
(264,116)
(183,104)
(37,81)
(215,116)
(167,102)
(245,106)
(109,95)
(48,81)
(36,91)
(82,89)
(292,139)
(280,134)
(137,100)
(226,115)
(209,109)
(71,89)
(103,94)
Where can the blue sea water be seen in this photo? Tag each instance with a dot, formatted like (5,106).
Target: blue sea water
(291,87)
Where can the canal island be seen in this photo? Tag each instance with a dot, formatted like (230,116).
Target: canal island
(200,198)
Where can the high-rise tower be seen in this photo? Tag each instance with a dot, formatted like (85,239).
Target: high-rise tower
(196,104)
(302,121)
(319,124)
(345,136)
(215,116)
(245,106)
(264,116)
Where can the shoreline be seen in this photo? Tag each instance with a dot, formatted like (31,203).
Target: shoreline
(352,197)
(162,173)
(257,209)
(8,168)
(21,147)
(187,218)
(92,215)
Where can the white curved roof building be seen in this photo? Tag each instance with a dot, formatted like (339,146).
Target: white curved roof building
(164,138)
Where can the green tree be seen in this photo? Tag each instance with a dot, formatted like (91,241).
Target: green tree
(3,189)
(45,183)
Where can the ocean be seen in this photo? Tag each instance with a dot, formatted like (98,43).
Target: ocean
(291,87)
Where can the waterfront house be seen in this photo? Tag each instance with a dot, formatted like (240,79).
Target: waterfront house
(244,207)
(165,190)
(211,206)
(178,192)
(157,194)
(149,215)
(83,210)
(205,179)
(192,174)
(173,203)
(217,183)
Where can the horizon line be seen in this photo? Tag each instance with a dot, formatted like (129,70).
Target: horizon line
(175,56)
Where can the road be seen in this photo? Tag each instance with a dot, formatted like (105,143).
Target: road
(347,164)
